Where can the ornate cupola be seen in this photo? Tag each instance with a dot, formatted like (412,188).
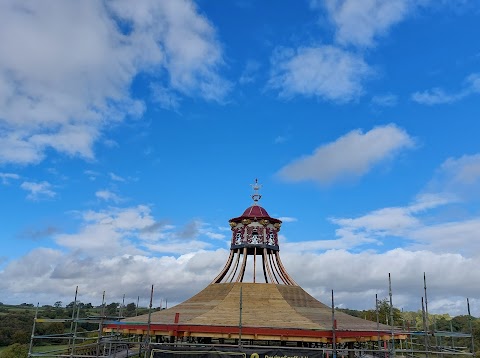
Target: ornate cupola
(255,233)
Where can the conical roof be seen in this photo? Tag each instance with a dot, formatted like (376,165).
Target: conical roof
(263,305)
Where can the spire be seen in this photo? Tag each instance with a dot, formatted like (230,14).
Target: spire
(256,196)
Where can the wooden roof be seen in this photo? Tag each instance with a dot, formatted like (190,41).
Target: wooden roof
(263,305)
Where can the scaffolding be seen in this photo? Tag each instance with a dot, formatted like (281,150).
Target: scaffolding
(77,341)
(105,336)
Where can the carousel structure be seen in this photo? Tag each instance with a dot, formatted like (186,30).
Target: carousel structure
(254,298)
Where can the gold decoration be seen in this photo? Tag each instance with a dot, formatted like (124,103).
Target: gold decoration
(232,224)
(246,221)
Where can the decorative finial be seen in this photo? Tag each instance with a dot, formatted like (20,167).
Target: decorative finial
(256,196)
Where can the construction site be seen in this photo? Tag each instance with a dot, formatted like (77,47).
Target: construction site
(253,308)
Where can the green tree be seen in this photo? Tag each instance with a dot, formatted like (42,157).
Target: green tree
(57,304)
(130,310)
(111,309)
(15,350)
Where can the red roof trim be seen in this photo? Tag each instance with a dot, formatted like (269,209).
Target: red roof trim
(292,332)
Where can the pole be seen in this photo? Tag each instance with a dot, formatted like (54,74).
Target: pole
(425,333)
(100,325)
(240,318)
(120,313)
(33,332)
(147,339)
(334,338)
(426,302)
(470,326)
(378,321)
(73,313)
(391,313)
(72,351)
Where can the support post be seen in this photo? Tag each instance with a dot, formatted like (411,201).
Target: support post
(240,318)
(391,314)
(425,332)
(33,332)
(334,338)
(147,339)
(378,321)
(471,329)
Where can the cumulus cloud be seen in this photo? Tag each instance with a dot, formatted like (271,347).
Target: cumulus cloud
(165,97)
(360,275)
(325,72)
(458,177)
(133,230)
(471,85)
(47,275)
(38,190)
(6,177)
(116,177)
(418,225)
(351,155)
(66,73)
(108,195)
(123,244)
(250,72)
(360,23)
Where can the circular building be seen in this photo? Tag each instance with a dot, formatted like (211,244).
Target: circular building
(254,298)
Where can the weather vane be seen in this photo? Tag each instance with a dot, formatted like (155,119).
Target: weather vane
(256,196)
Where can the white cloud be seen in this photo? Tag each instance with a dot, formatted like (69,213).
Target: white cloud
(354,275)
(133,230)
(326,72)
(351,155)
(48,275)
(38,191)
(287,219)
(359,23)
(437,95)
(417,224)
(108,195)
(458,177)
(54,276)
(250,72)
(463,171)
(66,73)
(388,100)
(454,236)
(378,226)
(123,244)
(6,177)
(165,97)
(115,177)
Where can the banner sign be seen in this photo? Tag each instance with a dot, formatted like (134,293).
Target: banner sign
(235,352)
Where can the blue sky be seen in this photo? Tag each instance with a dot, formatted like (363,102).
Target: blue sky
(130,133)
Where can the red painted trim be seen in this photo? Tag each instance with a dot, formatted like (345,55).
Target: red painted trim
(246,330)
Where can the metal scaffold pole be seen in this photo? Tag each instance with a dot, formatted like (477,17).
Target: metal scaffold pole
(334,343)
(378,321)
(391,313)
(240,318)
(471,329)
(147,339)
(33,332)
